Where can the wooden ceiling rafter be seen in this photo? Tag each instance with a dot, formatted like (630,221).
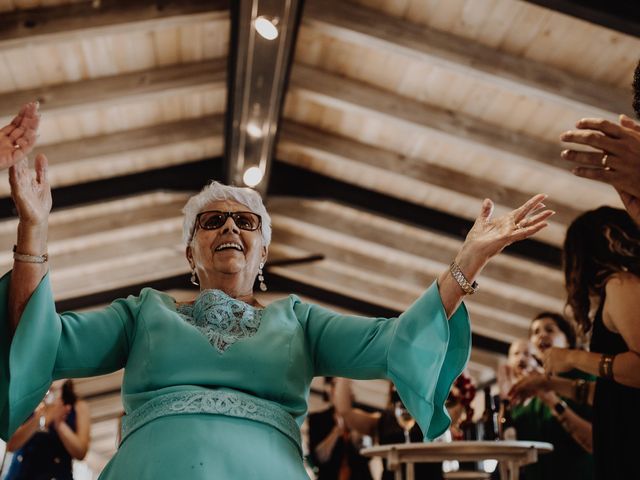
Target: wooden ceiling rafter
(356,23)
(76,20)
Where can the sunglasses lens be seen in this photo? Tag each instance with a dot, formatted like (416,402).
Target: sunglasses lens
(246,220)
(212,220)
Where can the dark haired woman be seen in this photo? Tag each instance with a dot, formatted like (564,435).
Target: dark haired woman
(602,274)
(56,433)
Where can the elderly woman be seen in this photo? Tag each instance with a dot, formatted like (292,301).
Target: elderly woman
(218,388)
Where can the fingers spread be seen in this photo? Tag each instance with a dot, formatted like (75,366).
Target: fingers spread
(531,204)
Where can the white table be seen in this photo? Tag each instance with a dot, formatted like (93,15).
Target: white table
(511,454)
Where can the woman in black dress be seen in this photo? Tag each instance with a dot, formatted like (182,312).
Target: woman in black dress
(602,274)
(46,444)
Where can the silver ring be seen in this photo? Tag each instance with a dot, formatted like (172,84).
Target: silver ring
(605,157)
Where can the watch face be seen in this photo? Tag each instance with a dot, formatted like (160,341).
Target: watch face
(559,408)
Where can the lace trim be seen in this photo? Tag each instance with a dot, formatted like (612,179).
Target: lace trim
(216,402)
(223,320)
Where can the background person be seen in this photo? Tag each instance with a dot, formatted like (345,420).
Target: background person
(58,432)
(602,274)
(335,447)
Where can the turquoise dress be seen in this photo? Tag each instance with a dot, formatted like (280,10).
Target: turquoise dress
(219,390)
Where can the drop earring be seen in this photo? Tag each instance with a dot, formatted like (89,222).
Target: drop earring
(194,278)
(263,286)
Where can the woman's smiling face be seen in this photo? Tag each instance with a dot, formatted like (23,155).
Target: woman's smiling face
(228,250)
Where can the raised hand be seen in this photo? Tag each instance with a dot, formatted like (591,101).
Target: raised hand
(617,161)
(489,236)
(31,191)
(18,138)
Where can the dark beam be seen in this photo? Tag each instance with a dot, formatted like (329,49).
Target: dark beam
(290,180)
(620,15)
(191,176)
(26,26)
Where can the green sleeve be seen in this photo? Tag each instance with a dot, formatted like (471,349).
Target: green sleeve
(421,352)
(48,346)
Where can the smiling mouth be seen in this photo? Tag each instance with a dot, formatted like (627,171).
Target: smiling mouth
(229,246)
(543,345)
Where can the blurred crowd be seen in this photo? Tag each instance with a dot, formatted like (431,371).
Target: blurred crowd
(575,381)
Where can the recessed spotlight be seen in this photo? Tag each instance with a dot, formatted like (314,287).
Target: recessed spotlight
(266,28)
(252,176)
(254,130)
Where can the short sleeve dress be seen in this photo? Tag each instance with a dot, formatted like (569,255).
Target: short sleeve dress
(219,389)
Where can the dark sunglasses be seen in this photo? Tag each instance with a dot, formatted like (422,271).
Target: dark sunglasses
(214,219)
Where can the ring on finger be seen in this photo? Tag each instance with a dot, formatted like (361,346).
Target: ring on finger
(604,160)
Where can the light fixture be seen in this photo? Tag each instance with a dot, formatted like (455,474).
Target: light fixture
(252,176)
(266,28)
(254,130)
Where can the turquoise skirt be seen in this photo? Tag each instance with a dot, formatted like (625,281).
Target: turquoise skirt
(202,446)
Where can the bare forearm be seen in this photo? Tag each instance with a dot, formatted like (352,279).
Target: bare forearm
(23,433)
(579,429)
(76,447)
(32,240)
(325,447)
(626,366)
(576,426)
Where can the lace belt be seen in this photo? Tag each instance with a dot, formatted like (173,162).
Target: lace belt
(215,402)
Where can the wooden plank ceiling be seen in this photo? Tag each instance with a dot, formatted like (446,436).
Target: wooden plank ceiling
(400,116)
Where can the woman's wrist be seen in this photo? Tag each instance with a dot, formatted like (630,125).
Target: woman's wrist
(471,261)
(32,238)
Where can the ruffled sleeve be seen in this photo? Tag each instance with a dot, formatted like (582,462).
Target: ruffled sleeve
(47,346)
(420,351)
(426,355)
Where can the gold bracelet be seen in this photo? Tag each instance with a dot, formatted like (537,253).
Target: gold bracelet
(456,273)
(605,368)
(26,258)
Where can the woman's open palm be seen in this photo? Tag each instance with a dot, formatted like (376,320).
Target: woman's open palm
(31,191)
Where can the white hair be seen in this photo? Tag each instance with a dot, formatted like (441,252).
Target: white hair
(216,191)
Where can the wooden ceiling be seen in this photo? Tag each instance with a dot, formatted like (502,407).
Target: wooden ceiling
(400,115)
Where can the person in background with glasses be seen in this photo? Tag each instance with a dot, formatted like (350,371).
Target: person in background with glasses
(218,387)
(58,431)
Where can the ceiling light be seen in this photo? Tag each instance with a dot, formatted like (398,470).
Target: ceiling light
(254,130)
(266,28)
(252,176)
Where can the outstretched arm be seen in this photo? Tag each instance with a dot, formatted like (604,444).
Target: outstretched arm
(31,193)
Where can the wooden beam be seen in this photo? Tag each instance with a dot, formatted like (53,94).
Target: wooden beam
(77,20)
(358,24)
(371,255)
(130,152)
(341,93)
(298,141)
(120,89)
